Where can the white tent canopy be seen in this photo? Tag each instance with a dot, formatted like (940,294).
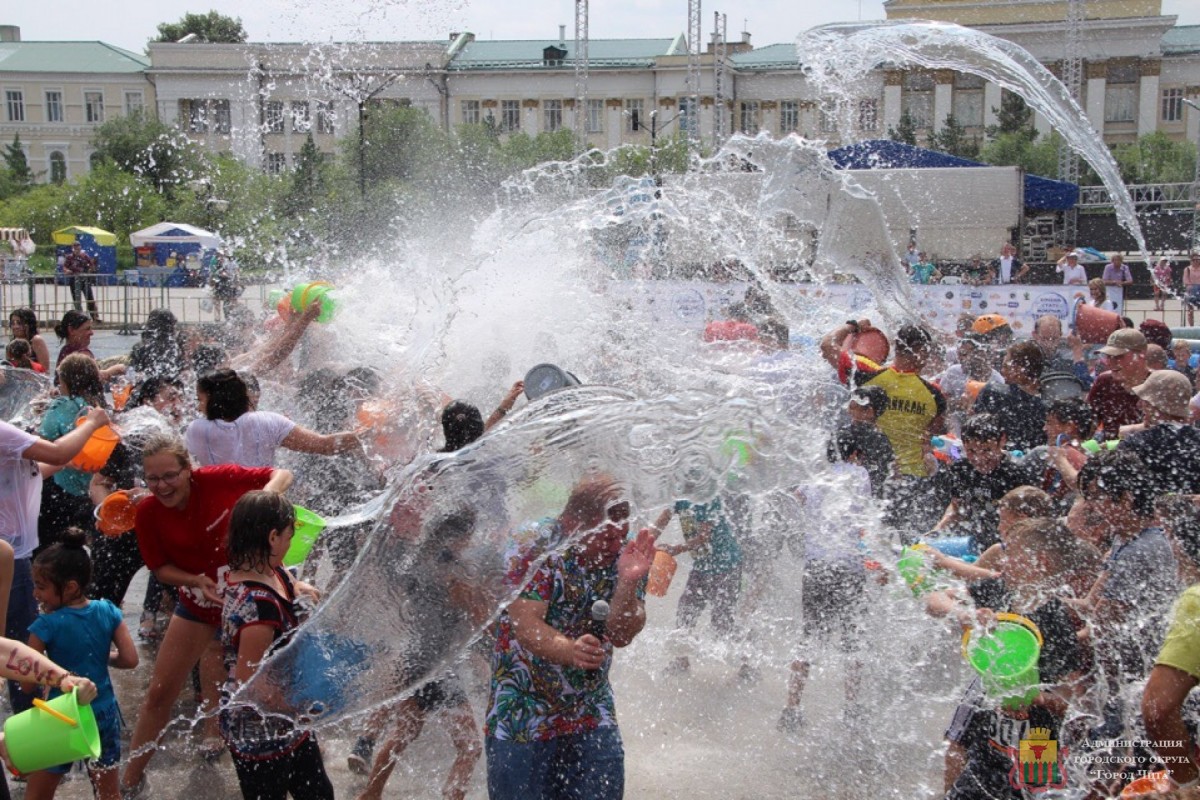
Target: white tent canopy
(174,233)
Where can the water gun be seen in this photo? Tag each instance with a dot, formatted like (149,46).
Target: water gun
(1091,446)
(947,449)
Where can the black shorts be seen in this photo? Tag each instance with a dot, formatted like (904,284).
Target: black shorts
(834,597)
(447,692)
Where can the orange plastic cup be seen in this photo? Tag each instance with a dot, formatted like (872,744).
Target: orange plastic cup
(661,573)
(120,395)
(116,515)
(95,453)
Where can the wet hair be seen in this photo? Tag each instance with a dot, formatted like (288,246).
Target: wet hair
(1028,357)
(1076,412)
(70,321)
(19,353)
(169,443)
(1050,537)
(461,424)
(364,380)
(1028,501)
(28,318)
(160,324)
(876,396)
(849,441)
(1096,285)
(228,397)
(207,358)
(446,534)
(1115,474)
(66,560)
(81,375)
(145,392)
(254,516)
(1181,516)
(913,340)
(251,381)
(982,428)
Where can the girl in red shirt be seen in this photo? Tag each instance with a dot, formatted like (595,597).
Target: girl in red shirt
(181,531)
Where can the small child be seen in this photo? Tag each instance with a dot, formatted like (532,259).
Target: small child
(20,355)
(78,633)
(271,756)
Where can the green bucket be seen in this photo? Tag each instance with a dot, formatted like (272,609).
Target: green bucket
(308,528)
(1007,659)
(306,294)
(52,733)
(914,570)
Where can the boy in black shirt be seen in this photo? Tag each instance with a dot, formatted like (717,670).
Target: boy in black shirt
(969,488)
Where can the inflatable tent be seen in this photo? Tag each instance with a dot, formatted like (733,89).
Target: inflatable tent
(100,244)
(175,244)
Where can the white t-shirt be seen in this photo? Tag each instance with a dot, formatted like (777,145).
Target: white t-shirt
(1073,276)
(834,514)
(249,441)
(20,491)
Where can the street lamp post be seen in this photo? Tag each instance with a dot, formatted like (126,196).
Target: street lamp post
(1195,187)
(654,126)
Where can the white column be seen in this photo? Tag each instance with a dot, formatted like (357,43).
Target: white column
(991,100)
(529,119)
(1147,119)
(616,126)
(891,107)
(943,103)
(1095,103)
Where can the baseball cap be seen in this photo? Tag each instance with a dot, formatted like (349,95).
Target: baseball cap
(1168,391)
(1072,254)
(1124,341)
(986,323)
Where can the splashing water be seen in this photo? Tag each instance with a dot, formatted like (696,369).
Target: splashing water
(837,55)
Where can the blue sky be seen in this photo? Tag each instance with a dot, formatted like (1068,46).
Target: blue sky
(130,23)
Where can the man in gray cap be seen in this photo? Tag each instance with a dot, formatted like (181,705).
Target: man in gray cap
(1169,446)
(1072,271)
(1111,396)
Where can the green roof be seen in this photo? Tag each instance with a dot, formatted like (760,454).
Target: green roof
(1181,39)
(527,53)
(94,57)
(773,56)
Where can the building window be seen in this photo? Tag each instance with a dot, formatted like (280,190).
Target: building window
(968,108)
(1172,105)
(917,99)
(301,122)
(789,116)
(325,117)
(276,162)
(633,116)
(1120,93)
(689,119)
(193,116)
(14,100)
(551,115)
(595,116)
(274,119)
(93,107)
(749,119)
(868,114)
(827,122)
(54,106)
(95,160)
(470,112)
(58,167)
(510,116)
(134,102)
(219,111)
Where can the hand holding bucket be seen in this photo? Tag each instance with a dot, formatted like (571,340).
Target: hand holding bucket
(1006,658)
(52,733)
(307,294)
(307,528)
(117,514)
(96,451)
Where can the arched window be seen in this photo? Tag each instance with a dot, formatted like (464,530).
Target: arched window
(95,160)
(58,167)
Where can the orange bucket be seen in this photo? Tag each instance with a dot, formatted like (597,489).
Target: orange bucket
(116,515)
(1154,782)
(1093,325)
(871,343)
(661,573)
(120,395)
(95,453)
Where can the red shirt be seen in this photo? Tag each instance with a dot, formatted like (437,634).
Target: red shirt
(1113,404)
(193,539)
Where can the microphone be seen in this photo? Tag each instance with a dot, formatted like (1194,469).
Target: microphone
(599,624)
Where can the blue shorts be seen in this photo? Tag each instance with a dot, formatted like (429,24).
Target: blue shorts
(109,723)
(1193,296)
(183,612)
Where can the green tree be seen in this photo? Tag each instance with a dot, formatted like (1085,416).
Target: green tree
(142,145)
(1013,116)
(210,27)
(905,130)
(953,139)
(399,143)
(20,176)
(1038,157)
(307,180)
(38,210)
(1156,158)
(110,198)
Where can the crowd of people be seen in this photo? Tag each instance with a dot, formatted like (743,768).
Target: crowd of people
(1067,495)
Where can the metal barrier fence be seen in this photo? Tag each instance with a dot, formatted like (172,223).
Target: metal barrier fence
(124,305)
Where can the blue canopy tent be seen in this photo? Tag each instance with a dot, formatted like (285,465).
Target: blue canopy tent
(1040,193)
(178,246)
